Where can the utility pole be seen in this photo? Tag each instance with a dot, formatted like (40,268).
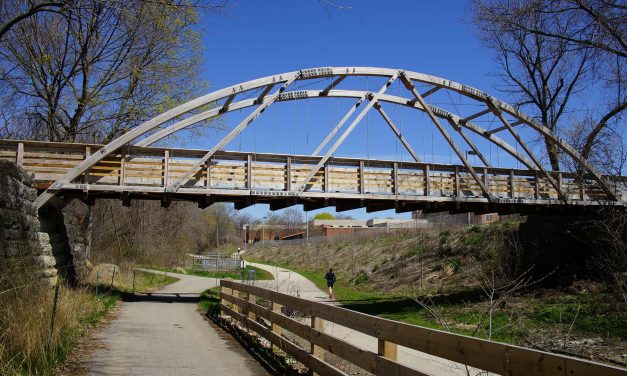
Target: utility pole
(263,231)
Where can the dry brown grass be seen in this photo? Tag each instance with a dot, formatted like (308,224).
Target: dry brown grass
(437,260)
(26,344)
(25,316)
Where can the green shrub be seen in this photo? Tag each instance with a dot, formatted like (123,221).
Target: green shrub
(444,236)
(209,302)
(455,264)
(360,277)
(413,251)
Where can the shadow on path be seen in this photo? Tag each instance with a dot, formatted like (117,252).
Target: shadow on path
(162,297)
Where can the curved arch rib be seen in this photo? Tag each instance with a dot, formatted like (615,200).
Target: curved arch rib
(319,73)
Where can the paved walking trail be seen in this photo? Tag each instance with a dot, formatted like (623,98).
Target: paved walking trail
(289,282)
(163,334)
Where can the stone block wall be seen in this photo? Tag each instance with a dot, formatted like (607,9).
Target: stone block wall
(21,241)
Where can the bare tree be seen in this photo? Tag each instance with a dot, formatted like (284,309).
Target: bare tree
(552,50)
(94,69)
(218,225)
(15,11)
(292,218)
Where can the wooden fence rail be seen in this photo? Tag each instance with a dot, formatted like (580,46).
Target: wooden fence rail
(239,301)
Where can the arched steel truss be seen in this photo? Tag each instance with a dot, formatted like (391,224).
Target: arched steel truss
(281,82)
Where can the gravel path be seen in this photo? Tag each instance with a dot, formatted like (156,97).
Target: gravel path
(163,334)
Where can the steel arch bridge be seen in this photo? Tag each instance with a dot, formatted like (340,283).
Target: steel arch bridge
(130,168)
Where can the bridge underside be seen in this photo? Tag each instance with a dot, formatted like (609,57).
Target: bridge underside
(244,199)
(143,173)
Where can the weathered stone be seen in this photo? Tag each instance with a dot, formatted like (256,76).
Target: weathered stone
(46,261)
(20,238)
(44,243)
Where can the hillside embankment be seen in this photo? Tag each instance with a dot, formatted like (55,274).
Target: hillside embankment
(494,281)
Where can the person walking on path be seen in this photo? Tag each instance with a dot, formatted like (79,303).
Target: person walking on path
(330,277)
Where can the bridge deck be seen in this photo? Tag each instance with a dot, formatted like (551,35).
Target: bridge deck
(246,178)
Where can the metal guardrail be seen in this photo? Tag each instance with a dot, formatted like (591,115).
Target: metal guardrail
(216,262)
(239,301)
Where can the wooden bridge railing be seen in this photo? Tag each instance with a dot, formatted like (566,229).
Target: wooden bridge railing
(148,169)
(239,301)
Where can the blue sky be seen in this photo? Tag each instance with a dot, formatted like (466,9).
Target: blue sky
(259,38)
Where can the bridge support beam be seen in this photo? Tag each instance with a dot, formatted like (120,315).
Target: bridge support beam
(349,205)
(316,204)
(243,204)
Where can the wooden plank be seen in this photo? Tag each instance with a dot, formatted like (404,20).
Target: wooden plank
(78,157)
(8,154)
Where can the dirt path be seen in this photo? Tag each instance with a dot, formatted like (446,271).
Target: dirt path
(289,282)
(163,334)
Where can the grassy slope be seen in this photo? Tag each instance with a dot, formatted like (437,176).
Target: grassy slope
(382,277)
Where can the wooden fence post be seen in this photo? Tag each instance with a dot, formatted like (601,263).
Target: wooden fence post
(361,184)
(457,183)
(228,291)
(288,174)
(388,349)
(166,168)
(19,154)
(276,329)
(427,180)
(317,351)
(512,189)
(395,188)
(86,174)
(251,315)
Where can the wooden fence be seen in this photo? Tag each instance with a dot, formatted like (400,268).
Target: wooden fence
(239,301)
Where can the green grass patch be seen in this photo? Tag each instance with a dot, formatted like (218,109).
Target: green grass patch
(413,251)
(145,281)
(209,303)
(591,315)
(343,290)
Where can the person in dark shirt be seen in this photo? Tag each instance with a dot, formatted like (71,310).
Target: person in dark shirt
(330,277)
